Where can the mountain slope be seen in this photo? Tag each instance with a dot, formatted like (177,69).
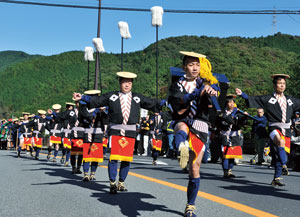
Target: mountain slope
(248,62)
(8,58)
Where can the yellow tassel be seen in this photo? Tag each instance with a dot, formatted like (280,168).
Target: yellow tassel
(205,71)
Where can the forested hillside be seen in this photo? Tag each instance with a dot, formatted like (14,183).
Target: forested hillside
(10,57)
(40,81)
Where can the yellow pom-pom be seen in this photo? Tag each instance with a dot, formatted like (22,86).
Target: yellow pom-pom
(205,71)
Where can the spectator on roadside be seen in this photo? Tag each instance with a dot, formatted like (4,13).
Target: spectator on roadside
(170,133)
(296,120)
(145,130)
(260,134)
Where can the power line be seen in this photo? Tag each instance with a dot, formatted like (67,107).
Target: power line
(232,12)
(296,21)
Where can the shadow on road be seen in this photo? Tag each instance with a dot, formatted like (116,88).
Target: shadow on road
(130,203)
(251,187)
(158,168)
(263,190)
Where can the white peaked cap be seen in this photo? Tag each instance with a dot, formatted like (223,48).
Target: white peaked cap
(157,13)
(124,29)
(88,54)
(98,45)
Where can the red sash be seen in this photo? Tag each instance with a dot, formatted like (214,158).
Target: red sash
(157,144)
(55,139)
(287,140)
(67,143)
(196,145)
(122,148)
(231,152)
(92,152)
(27,141)
(38,142)
(77,145)
(104,142)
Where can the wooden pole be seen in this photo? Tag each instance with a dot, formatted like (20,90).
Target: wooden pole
(156,95)
(122,41)
(97,64)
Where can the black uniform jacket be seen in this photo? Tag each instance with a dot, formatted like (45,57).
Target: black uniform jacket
(272,109)
(56,125)
(68,119)
(39,126)
(231,125)
(92,124)
(112,100)
(181,110)
(157,125)
(26,128)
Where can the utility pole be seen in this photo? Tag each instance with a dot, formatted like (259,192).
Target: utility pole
(274,21)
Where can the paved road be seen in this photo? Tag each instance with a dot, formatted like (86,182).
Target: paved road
(41,188)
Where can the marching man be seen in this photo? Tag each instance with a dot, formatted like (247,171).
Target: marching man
(123,110)
(189,102)
(279,109)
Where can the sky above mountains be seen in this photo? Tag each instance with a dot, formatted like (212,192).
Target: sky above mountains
(52,30)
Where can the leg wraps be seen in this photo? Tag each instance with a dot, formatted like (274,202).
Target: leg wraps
(278,159)
(73,160)
(37,153)
(180,136)
(124,169)
(94,166)
(231,163)
(112,170)
(155,154)
(192,190)
(79,160)
(64,150)
(225,164)
(68,153)
(86,167)
(282,155)
(55,153)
